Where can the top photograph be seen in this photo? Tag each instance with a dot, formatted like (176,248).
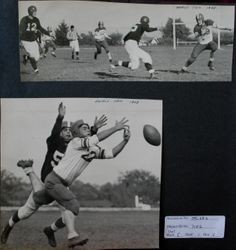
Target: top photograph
(104,41)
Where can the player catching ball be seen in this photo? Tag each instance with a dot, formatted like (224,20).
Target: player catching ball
(100,37)
(29,26)
(203,31)
(131,41)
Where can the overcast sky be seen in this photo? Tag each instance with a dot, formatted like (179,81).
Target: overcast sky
(26,124)
(121,16)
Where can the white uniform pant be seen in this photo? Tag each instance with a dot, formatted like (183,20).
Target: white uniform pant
(74,45)
(32,48)
(136,53)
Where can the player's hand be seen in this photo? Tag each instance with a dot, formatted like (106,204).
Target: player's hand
(121,124)
(100,122)
(126,134)
(61,110)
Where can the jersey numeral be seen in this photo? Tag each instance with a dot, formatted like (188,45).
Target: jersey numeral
(31,27)
(134,28)
(57,156)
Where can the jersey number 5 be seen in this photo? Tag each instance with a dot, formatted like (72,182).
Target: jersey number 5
(57,156)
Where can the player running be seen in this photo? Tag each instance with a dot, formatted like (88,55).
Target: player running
(73,36)
(100,37)
(29,26)
(203,31)
(81,150)
(56,143)
(131,41)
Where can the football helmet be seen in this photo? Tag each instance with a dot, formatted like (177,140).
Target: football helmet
(31,10)
(66,124)
(144,20)
(200,17)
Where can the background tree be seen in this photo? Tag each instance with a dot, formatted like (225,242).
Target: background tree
(182,31)
(60,34)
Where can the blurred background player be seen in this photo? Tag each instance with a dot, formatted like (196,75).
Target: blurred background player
(203,31)
(56,146)
(131,41)
(47,42)
(100,36)
(72,35)
(29,26)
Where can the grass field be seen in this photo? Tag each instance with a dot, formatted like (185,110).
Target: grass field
(105,230)
(166,60)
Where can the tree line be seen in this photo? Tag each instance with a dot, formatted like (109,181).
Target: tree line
(14,191)
(182,33)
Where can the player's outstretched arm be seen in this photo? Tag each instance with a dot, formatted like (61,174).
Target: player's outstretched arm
(57,126)
(117,149)
(108,132)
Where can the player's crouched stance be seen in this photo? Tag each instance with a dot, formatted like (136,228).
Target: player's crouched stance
(131,41)
(29,27)
(203,31)
(81,150)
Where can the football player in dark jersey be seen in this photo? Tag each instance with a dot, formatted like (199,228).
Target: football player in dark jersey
(203,31)
(29,26)
(56,143)
(131,41)
(100,36)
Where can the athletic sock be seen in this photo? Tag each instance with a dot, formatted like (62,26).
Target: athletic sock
(109,56)
(72,235)
(14,219)
(148,66)
(57,224)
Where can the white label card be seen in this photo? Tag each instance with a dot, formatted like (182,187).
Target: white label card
(194,227)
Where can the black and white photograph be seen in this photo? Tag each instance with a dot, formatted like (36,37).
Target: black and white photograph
(80,173)
(104,41)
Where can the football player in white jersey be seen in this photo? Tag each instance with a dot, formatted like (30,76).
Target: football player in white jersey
(81,150)
(100,36)
(73,36)
(203,31)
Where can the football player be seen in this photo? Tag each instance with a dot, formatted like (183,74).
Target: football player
(203,31)
(131,41)
(56,143)
(81,150)
(100,37)
(29,26)
(73,36)
(48,43)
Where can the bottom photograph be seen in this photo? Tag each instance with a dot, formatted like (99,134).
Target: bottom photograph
(80,173)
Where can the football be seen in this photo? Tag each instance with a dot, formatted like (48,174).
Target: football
(151,135)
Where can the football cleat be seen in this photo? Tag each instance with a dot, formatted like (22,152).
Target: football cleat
(152,74)
(75,241)
(183,70)
(5,233)
(53,54)
(36,71)
(211,65)
(50,235)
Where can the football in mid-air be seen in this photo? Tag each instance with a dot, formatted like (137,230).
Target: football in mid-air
(151,135)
